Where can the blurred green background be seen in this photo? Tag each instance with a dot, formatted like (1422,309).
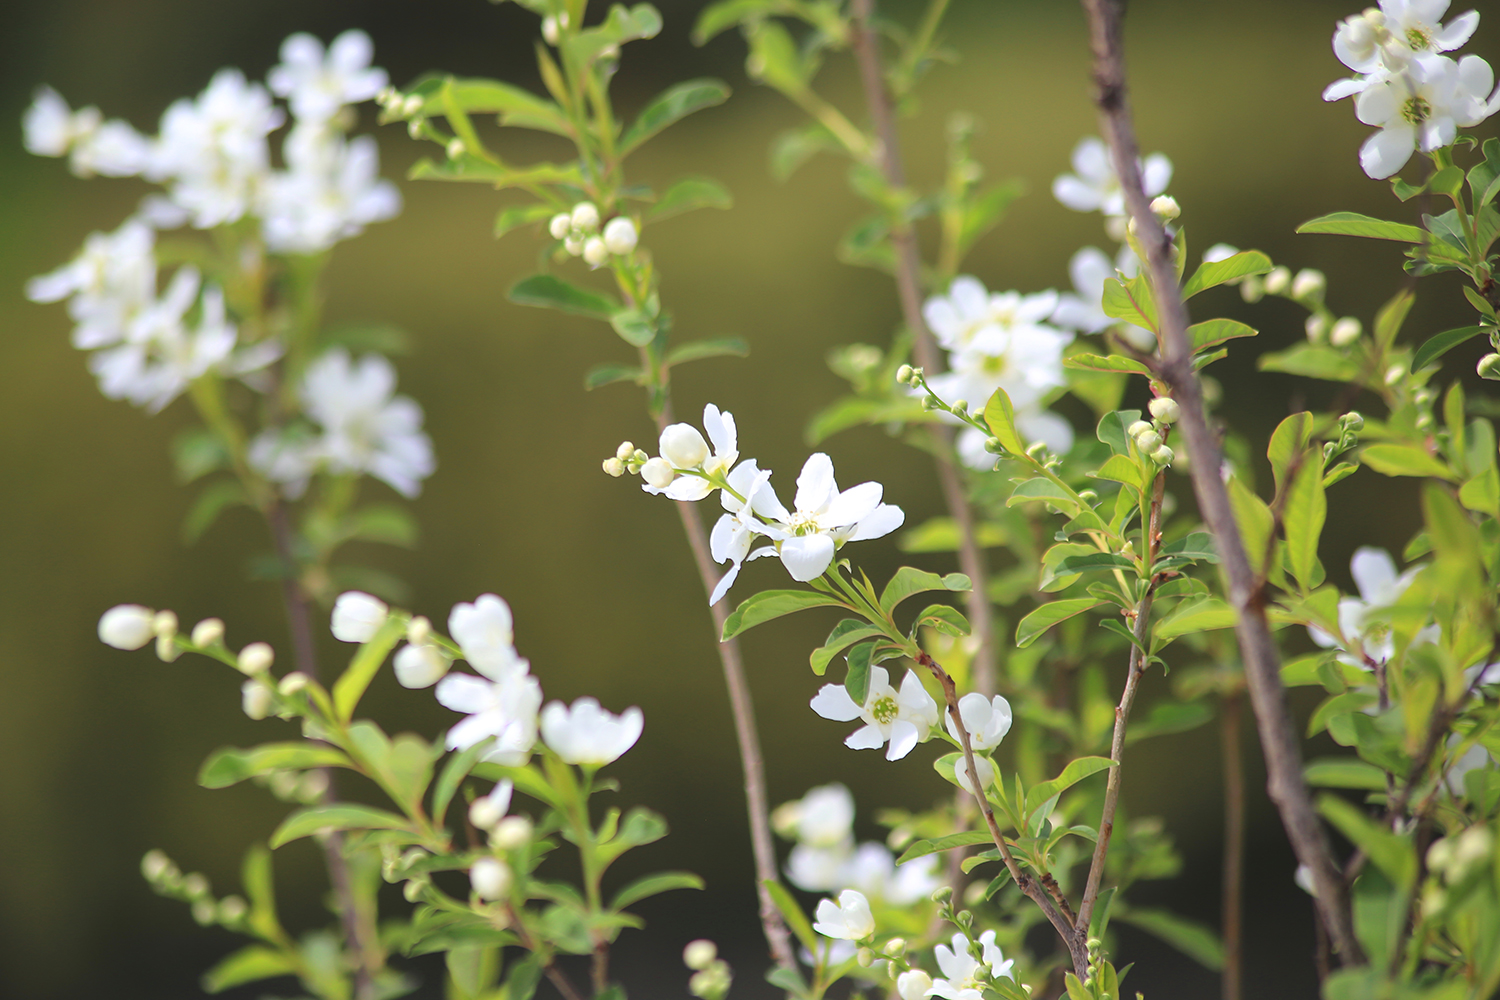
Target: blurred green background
(98,748)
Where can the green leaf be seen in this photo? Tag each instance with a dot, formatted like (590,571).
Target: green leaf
(605,374)
(634,327)
(697,350)
(1048,615)
(1354,224)
(341,816)
(513,105)
(941,534)
(1000,416)
(1403,460)
(1288,443)
(984,212)
(516,216)
(651,885)
(867,243)
(796,920)
(214,500)
(687,195)
(454,771)
(247,966)
(196,452)
(774,57)
(1344,772)
(1241,265)
(624,24)
(1388,321)
(944,619)
(1071,775)
(1101,363)
(351,685)
(844,634)
(720,17)
(922,848)
(1217,331)
(796,146)
(671,106)
(768,604)
(1437,345)
(1311,361)
(857,680)
(1303,515)
(1201,615)
(1187,936)
(909,580)
(1392,853)
(1482,493)
(384,523)
(1047,491)
(1129,301)
(551,292)
(232,765)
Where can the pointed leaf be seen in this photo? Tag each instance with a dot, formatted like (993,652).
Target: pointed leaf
(1392,853)
(857,680)
(796,920)
(909,580)
(340,816)
(687,195)
(1344,772)
(768,604)
(651,885)
(1404,460)
(1217,331)
(551,292)
(1388,321)
(1303,516)
(1111,363)
(351,685)
(1071,775)
(671,106)
(247,965)
(1241,265)
(922,848)
(1354,224)
(1437,345)
(231,765)
(1187,936)
(844,634)
(601,375)
(1048,615)
(696,350)
(1000,415)
(1288,442)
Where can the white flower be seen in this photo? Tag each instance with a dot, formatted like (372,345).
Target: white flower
(658,475)
(1390,36)
(1093,186)
(317,87)
(970,317)
(50,127)
(913,984)
(490,809)
(1421,107)
(114,149)
(505,709)
(903,718)
(824,519)
(730,540)
(330,191)
(357,616)
(420,665)
(490,877)
(108,284)
(1363,620)
(849,919)
(127,626)
(257,699)
(982,768)
(963,977)
(819,869)
(620,235)
(682,448)
(986,719)
(872,870)
(586,734)
(824,817)
(484,630)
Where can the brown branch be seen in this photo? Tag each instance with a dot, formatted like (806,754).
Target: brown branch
(1278,736)
(1234,844)
(1038,894)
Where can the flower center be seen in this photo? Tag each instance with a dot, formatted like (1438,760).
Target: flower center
(1418,40)
(804,524)
(1416,110)
(884,710)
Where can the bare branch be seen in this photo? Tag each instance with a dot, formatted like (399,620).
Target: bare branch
(1234,845)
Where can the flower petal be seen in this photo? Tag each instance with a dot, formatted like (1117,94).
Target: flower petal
(879,522)
(851,505)
(807,557)
(815,485)
(1387,151)
(865,738)
(904,738)
(833,702)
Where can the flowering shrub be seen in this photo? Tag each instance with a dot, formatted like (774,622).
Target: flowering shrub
(1103,564)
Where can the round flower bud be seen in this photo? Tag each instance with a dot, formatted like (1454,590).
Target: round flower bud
(1316,327)
(1395,373)
(625,450)
(195,885)
(913,985)
(256,658)
(455,148)
(357,616)
(549,30)
(1162,455)
(166,648)
(560,225)
(1165,409)
(204,911)
(699,954)
(994,446)
(292,683)
(232,910)
(1147,440)
(1138,428)
(927,403)
(126,626)
(312,787)
(942,894)
(1345,332)
(485,812)
(614,467)
(1278,280)
(164,624)
(419,665)
(412,104)
(256,699)
(1165,207)
(683,446)
(585,216)
(418,629)
(155,866)
(510,833)
(620,235)
(1353,421)
(960,406)
(207,632)
(658,473)
(573,246)
(1308,284)
(490,877)
(895,947)
(1253,288)
(1489,367)
(595,252)
(904,374)
(865,957)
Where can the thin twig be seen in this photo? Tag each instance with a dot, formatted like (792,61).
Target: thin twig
(1234,844)
(1278,735)
(1072,939)
(1136,670)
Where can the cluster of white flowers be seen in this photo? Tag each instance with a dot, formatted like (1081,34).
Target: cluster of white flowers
(212,156)
(805,538)
(826,859)
(358,426)
(1404,85)
(580,235)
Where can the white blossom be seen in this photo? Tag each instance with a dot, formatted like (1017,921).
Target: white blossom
(730,539)
(505,709)
(823,817)
(964,978)
(1093,186)
(986,719)
(682,448)
(983,769)
(824,519)
(490,877)
(587,734)
(127,626)
(485,632)
(1364,621)
(1421,107)
(357,616)
(420,665)
(319,85)
(330,191)
(849,919)
(901,718)
(913,984)
(620,235)
(50,127)
(488,810)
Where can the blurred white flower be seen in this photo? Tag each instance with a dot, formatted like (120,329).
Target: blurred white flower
(1364,620)
(901,718)
(484,631)
(587,734)
(825,518)
(488,810)
(1093,186)
(491,878)
(319,85)
(330,191)
(127,626)
(824,817)
(420,665)
(964,978)
(1421,107)
(505,709)
(849,919)
(50,127)
(357,616)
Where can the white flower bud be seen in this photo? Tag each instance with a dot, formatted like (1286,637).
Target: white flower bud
(166,648)
(510,833)
(455,148)
(658,472)
(904,374)
(894,948)
(126,626)
(595,252)
(1345,332)
(1308,283)
(195,885)
(1162,455)
(573,246)
(614,467)
(620,235)
(490,877)
(232,910)
(357,616)
(412,105)
(1147,441)
(585,216)
(204,912)
(1165,409)
(485,812)
(1395,373)
(1165,207)
(256,699)
(1139,427)
(312,787)
(625,450)
(560,226)
(414,127)
(1253,288)
(418,629)
(960,406)
(419,665)
(155,866)
(1316,327)
(1278,280)
(699,954)
(292,683)
(256,658)
(549,30)
(913,985)
(683,446)
(208,631)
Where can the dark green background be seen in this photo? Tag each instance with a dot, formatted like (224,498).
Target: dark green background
(98,748)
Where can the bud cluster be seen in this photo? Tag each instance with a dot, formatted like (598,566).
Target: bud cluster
(581,237)
(166,879)
(1350,424)
(1150,435)
(711,974)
